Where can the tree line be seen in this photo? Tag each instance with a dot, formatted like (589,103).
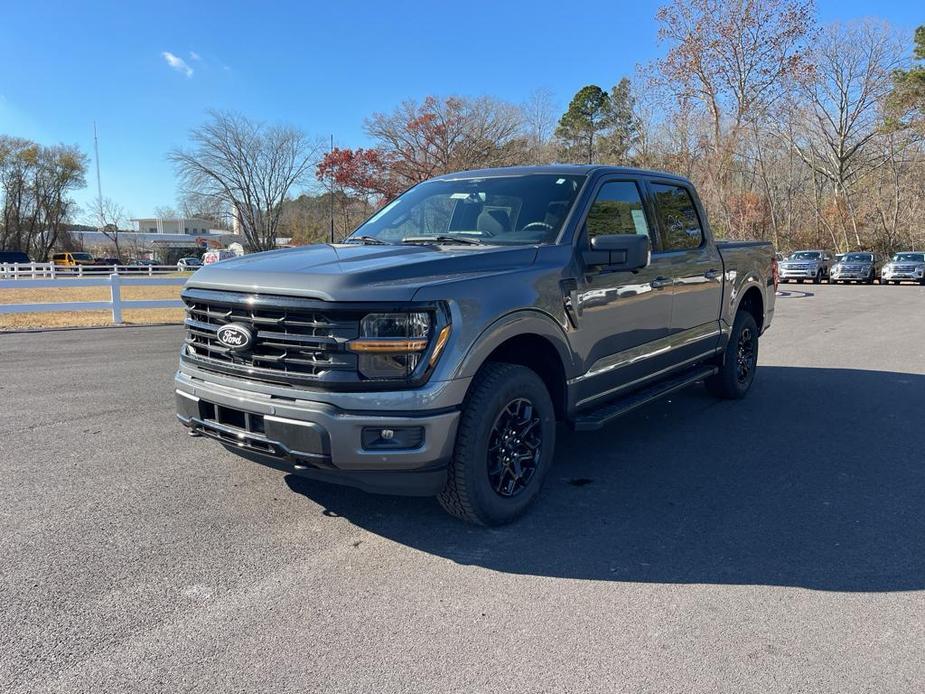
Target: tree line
(36,183)
(802,134)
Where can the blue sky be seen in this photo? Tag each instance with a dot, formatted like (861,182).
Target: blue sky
(321,66)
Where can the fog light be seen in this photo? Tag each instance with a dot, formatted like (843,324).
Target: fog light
(396,438)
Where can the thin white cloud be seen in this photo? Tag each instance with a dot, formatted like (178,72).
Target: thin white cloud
(194,55)
(177,63)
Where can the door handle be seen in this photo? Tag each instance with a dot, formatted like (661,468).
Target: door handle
(660,282)
(711,274)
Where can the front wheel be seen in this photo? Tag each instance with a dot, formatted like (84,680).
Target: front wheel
(504,446)
(818,278)
(740,360)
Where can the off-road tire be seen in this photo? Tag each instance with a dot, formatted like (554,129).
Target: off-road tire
(468,493)
(726,383)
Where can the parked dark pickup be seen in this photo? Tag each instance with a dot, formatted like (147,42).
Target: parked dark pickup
(434,350)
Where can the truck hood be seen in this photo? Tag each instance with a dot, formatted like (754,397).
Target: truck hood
(353,272)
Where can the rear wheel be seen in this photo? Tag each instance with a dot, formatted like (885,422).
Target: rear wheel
(504,446)
(740,360)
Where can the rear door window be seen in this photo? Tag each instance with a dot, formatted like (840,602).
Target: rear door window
(681,228)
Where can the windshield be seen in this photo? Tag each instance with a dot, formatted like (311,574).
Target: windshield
(806,255)
(909,258)
(857,258)
(509,210)
(82,256)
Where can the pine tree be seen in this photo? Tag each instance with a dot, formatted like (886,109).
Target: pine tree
(581,125)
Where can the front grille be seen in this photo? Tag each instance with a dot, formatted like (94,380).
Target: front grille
(296,341)
(853,268)
(904,268)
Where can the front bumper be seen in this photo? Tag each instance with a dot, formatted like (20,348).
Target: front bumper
(856,276)
(321,440)
(797,274)
(907,276)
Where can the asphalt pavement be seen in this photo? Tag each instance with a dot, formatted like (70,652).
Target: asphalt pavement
(773,544)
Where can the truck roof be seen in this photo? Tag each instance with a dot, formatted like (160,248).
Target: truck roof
(567,169)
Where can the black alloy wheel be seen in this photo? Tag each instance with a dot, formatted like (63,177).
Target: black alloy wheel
(745,355)
(515,448)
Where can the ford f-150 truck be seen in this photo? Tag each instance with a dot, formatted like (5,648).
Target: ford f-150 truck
(435,349)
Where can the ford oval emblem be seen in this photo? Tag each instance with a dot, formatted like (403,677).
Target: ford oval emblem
(235,336)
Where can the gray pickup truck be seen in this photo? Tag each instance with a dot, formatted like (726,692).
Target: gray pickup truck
(434,350)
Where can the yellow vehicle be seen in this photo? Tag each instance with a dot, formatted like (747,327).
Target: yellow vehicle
(72,259)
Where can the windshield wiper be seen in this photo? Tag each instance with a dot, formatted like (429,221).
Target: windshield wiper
(441,238)
(370,240)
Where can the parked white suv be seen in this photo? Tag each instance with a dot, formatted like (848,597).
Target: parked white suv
(904,267)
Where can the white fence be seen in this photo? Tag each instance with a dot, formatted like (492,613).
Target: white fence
(116,304)
(50,270)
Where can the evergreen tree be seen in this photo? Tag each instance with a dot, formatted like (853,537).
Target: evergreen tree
(623,126)
(587,117)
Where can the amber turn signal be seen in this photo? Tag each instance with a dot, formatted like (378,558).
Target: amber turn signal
(387,345)
(440,344)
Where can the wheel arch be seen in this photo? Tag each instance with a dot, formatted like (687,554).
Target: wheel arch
(531,339)
(752,300)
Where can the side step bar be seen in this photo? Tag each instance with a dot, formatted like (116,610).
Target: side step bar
(604,414)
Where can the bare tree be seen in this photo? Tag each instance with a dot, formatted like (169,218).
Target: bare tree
(540,115)
(250,167)
(733,59)
(844,96)
(165,212)
(111,218)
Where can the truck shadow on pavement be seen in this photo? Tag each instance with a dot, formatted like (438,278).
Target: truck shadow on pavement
(816,480)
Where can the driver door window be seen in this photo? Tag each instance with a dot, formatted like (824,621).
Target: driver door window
(617,209)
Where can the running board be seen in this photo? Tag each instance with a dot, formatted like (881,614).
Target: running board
(606,413)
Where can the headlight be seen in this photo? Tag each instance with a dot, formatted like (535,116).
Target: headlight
(392,345)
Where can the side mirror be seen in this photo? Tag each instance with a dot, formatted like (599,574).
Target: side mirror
(624,252)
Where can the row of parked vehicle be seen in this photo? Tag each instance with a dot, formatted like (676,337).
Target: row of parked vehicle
(73,259)
(862,267)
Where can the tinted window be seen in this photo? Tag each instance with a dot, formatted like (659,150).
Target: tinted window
(617,209)
(680,224)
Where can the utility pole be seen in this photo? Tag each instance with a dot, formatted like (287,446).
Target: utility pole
(332,193)
(99,187)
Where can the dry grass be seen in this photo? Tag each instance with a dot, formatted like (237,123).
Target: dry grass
(20,321)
